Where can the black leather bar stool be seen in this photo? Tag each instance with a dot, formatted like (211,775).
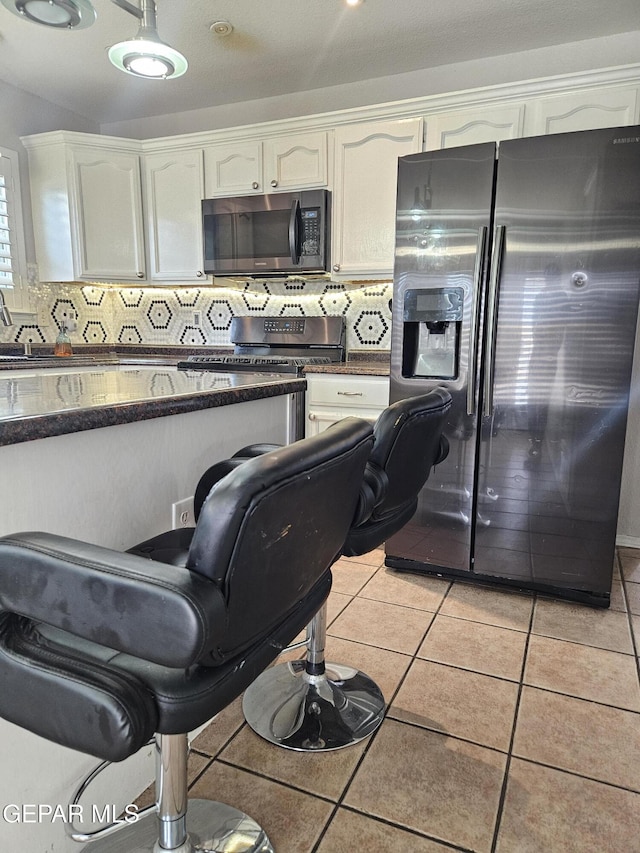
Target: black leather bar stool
(310,704)
(313,704)
(100,649)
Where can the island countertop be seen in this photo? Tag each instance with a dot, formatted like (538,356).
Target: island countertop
(53,401)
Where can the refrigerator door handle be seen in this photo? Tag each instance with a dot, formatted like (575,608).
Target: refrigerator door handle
(473,331)
(492,316)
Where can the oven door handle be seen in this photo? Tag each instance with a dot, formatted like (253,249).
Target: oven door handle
(294,232)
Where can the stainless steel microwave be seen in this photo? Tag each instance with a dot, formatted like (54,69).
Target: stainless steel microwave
(275,234)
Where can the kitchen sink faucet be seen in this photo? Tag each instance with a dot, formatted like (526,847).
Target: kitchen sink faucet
(4,312)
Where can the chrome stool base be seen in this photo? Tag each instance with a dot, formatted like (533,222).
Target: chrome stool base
(212,827)
(312,713)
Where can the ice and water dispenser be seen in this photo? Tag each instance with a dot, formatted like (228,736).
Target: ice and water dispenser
(432,321)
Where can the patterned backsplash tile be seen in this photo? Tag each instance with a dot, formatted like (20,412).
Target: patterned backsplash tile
(201,316)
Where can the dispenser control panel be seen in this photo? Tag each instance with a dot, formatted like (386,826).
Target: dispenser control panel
(432,321)
(438,303)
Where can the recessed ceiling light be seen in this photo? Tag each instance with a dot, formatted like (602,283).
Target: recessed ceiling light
(354,2)
(61,14)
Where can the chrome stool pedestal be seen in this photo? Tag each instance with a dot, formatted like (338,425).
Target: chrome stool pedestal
(178,825)
(312,706)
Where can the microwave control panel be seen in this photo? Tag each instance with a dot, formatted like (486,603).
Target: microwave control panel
(310,230)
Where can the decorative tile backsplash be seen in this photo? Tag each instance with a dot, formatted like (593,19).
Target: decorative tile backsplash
(201,315)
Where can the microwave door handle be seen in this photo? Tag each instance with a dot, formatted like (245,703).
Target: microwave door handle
(294,231)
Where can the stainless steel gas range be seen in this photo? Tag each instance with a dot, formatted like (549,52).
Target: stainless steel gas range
(278,345)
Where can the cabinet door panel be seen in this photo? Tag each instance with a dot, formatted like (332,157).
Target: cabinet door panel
(108,215)
(468,127)
(364,200)
(583,111)
(233,169)
(295,162)
(331,397)
(174,190)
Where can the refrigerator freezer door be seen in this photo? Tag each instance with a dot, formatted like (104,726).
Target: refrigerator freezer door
(559,358)
(443,224)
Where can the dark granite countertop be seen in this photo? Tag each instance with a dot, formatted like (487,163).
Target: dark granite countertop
(56,400)
(355,367)
(358,363)
(13,358)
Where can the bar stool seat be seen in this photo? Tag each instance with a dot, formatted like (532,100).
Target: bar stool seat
(312,705)
(101,650)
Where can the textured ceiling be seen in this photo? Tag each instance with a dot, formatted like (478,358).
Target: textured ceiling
(283,46)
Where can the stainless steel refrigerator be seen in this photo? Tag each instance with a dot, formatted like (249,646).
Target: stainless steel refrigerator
(516,283)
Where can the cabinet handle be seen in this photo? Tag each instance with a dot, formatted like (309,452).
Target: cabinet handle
(140,274)
(336,267)
(274,183)
(349,393)
(312,417)
(199,274)
(255,185)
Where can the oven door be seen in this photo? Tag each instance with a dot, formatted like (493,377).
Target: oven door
(272,234)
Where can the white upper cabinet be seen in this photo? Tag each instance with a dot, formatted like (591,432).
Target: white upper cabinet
(467,127)
(583,110)
(291,162)
(233,168)
(87,209)
(364,197)
(299,161)
(174,188)
(86,189)
(107,203)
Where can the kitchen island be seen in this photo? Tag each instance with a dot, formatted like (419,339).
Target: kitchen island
(100,454)
(39,403)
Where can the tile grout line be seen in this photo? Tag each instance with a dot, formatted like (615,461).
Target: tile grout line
(623,584)
(371,740)
(505,780)
(340,804)
(216,754)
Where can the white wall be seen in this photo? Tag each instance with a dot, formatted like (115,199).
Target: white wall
(528,65)
(629,512)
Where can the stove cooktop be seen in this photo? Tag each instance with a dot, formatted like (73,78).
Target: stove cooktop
(255,363)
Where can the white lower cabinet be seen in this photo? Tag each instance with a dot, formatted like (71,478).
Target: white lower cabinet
(331,397)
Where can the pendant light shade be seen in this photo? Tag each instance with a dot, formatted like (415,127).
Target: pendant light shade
(146,55)
(61,14)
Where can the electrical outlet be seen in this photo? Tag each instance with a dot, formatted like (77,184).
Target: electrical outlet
(196,318)
(44,318)
(182,514)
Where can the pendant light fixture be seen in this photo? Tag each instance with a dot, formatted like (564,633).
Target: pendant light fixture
(62,14)
(146,55)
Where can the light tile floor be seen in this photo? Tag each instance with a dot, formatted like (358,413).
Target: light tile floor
(513,725)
